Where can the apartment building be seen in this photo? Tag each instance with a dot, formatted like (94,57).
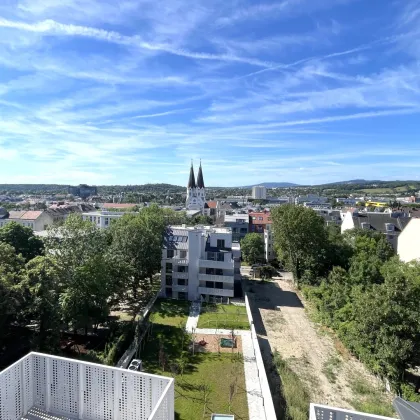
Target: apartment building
(259,192)
(390,224)
(198,264)
(258,221)
(102,219)
(239,224)
(36,220)
(409,241)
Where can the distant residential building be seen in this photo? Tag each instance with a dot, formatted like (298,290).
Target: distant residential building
(198,264)
(269,252)
(258,221)
(36,220)
(83,191)
(317,205)
(388,223)
(347,201)
(117,206)
(311,198)
(409,241)
(102,219)
(196,192)
(259,192)
(238,223)
(331,217)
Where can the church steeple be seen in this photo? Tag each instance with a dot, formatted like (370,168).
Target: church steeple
(200,179)
(191,180)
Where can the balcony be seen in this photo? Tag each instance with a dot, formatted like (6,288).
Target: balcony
(213,277)
(322,412)
(180,261)
(215,264)
(179,288)
(216,292)
(41,386)
(179,275)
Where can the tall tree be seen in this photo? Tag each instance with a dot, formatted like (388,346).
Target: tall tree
(300,238)
(252,247)
(42,280)
(22,239)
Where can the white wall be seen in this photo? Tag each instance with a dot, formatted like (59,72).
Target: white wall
(409,241)
(348,222)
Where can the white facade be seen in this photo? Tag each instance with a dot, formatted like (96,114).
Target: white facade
(311,198)
(198,264)
(259,192)
(102,219)
(408,247)
(269,252)
(196,192)
(49,387)
(347,201)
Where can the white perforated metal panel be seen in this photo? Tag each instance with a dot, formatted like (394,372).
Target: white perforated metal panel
(48,387)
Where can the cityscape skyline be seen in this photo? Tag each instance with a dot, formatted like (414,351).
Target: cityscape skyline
(276,91)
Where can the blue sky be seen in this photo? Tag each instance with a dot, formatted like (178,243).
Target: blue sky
(129,91)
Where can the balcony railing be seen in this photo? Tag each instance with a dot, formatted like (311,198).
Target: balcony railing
(215,264)
(50,387)
(216,292)
(179,275)
(179,288)
(214,277)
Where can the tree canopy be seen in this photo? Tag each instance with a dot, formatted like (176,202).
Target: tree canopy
(252,247)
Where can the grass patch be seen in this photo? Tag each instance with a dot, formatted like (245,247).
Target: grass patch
(368,399)
(203,381)
(293,390)
(330,368)
(223,316)
(170,312)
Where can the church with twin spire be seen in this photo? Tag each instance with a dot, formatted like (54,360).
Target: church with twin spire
(196,192)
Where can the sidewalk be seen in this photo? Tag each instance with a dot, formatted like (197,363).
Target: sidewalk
(192,320)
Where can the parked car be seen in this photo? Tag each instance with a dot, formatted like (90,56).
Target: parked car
(136,364)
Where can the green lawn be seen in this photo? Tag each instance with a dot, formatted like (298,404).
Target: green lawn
(170,312)
(223,316)
(204,377)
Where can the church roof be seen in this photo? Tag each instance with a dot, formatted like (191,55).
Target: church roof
(191,180)
(200,179)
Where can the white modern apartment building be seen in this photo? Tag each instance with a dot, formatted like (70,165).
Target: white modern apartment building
(269,253)
(198,264)
(259,192)
(41,386)
(102,219)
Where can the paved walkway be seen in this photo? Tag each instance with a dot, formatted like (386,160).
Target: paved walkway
(192,320)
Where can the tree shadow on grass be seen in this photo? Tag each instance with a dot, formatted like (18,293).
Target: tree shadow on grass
(167,308)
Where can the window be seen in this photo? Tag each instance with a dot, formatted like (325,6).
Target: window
(269,253)
(219,285)
(182,269)
(182,296)
(169,280)
(244,230)
(253,217)
(234,230)
(169,253)
(106,221)
(168,267)
(260,218)
(211,256)
(219,272)
(220,243)
(182,254)
(210,271)
(168,292)
(182,282)
(220,256)
(210,284)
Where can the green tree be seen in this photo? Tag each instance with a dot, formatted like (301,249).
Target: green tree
(252,247)
(42,280)
(300,239)
(22,239)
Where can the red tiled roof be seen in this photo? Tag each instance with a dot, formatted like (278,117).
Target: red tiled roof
(212,204)
(31,215)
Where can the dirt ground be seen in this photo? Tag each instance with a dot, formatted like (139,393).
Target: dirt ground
(318,358)
(212,344)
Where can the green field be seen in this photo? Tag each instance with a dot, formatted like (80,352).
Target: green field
(223,316)
(203,381)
